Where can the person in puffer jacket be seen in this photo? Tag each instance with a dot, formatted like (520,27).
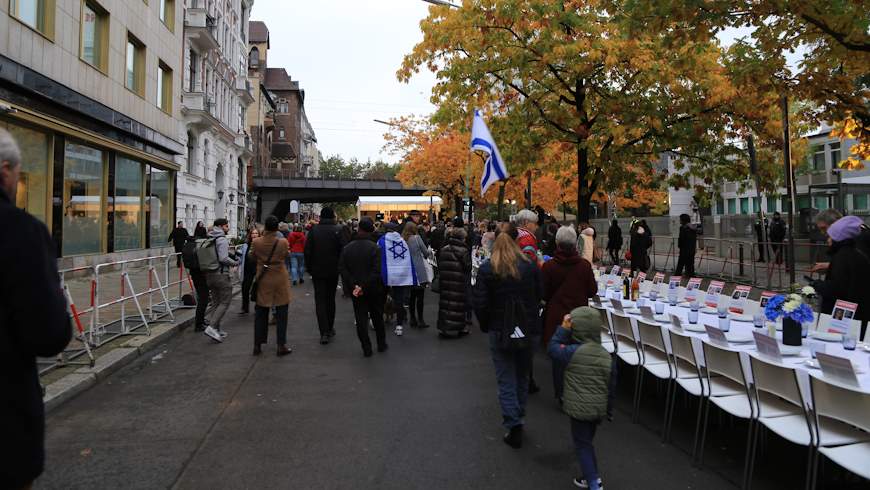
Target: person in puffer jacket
(577,345)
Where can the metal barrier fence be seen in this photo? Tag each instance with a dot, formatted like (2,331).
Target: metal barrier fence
(109,291)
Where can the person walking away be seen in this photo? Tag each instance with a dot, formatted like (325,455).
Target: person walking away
(614,241)
(849,269)
(586,243)
(296,240)
(273,289)
(576,346)
(197,276)
(527,224)
(823,221)
(687,243)
(214,258)
(360,268)
(33,323)
(397,271)
(759,226)
(776,236)
(506,299)
(454,272)
(248,268)
(322,249)
(568,283)
(200,230)
(419,255)
(178,237)
(639,247)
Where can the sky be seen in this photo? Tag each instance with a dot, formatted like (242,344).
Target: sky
(345,54)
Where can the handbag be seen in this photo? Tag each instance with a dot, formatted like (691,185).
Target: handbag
(255,285)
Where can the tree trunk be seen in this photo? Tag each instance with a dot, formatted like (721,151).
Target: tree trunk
(584,196)
(500,212)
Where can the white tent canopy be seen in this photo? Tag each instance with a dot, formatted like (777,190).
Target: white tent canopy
(396,205)
(404,200)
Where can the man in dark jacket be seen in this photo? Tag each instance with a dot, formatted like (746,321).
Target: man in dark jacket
(687,242)
(33,322)
(360,267)
(322,250)
(776,237)
(178,237)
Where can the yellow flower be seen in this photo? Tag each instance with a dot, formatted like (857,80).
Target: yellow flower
(790,306)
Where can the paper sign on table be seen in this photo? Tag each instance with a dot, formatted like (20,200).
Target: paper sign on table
(765,297)
(647,313)
(716,336)
(713,292)
(738,299)
(692,288)
(841,317)
(659,278)
(767,346)
(676,322)
(674,282)
(617,305)
(641,277)
(837,368)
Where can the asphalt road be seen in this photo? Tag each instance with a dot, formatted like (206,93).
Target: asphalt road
(424,415)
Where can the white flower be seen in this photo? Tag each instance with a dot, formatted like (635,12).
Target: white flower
(790,306)
(794,297)
(808,291)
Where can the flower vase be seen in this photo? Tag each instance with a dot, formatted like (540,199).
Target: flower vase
(791,332)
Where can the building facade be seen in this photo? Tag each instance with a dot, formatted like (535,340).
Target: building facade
(89,89)
(214,97)
(294,145)
(259,117)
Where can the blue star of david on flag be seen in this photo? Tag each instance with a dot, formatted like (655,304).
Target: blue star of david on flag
(398,249)
(494,168)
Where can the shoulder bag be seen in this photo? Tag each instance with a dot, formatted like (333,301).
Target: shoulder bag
(255,285)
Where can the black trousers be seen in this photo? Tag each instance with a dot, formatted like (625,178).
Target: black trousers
(778,251)
(247,281)
(685,261)
(415,305)
(614,255)
(400,297)
(198,278)
(369,306)
(324,302)
(261,324)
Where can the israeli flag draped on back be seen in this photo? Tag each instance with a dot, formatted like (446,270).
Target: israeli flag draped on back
(494,168)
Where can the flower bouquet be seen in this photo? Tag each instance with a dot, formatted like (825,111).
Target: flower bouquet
(794,311)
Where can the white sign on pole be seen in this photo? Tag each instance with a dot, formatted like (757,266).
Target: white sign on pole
(294,206)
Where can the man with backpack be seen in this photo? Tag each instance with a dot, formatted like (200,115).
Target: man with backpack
(214,259)
(197,276)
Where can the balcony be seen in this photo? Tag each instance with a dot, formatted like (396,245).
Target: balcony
(200,112)
(243,89)
(199,28)
(243,141)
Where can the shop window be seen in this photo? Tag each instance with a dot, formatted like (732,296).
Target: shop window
(83,194)
(33,184)
(160,206)
(37,14)
(128,204)
(95,36)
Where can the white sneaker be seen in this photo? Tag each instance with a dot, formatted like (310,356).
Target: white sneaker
(582,483)
(399,330)
(213,334)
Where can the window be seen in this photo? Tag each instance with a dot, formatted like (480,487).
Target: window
(135,66)
(803,202)
(167,13)
(744,205)
(732,206)
(33,184)
(94,48)
(254,58)
(820,202)
(194,68)
(191,153)
(756,204)
(160,206)
(835,153)
(164,87)
(771,204)
(37,14)
(128,204)
(860,201)
(283,107)
(83,191)
(819,159)
(281,133)
(720,206)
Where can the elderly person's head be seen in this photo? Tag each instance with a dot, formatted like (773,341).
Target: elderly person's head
(826,218)
(10,165)
(566,239)
(527,219)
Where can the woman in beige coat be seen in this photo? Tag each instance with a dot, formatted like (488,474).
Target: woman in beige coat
(586,243)
(273,286)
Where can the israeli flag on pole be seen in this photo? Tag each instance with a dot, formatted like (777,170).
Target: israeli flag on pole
(494,167)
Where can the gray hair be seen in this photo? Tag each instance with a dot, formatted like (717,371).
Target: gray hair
(828,216)
(566,237)
(9,151)
(525,216)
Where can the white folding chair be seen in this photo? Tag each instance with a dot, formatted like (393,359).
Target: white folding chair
(725,363)
(655,358)
(627,349)
(781,409)
(606,333)
(842,422)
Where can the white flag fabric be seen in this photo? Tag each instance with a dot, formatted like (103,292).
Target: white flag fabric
(494,168)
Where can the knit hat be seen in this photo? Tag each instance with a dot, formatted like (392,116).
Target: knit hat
(845,228)
(366,225)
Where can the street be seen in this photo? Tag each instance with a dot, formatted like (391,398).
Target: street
(194,414)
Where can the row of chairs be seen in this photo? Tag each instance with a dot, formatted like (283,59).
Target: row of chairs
(833,420)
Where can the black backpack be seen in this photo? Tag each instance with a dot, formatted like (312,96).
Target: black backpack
(514,319)
(188,255)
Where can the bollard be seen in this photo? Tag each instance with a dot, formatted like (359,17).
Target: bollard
(740,257)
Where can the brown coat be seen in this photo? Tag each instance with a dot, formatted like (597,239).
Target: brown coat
(274,282)
(568,283)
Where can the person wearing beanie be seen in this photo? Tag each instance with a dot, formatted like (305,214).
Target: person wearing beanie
(360,267)
(849,268)
(322,250)
(576,345)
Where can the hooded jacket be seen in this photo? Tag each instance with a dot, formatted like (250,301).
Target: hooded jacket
(222,248)
(587,365)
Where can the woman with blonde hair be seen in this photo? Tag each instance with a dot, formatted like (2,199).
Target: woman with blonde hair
(506,299)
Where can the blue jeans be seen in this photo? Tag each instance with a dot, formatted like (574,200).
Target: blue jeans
(297,265)
(582,432)
(512,375)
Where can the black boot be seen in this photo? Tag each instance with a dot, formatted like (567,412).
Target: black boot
(413,321)
(514,438)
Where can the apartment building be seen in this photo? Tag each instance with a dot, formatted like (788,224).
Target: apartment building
(294,145)
(215,93)
(90,90)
